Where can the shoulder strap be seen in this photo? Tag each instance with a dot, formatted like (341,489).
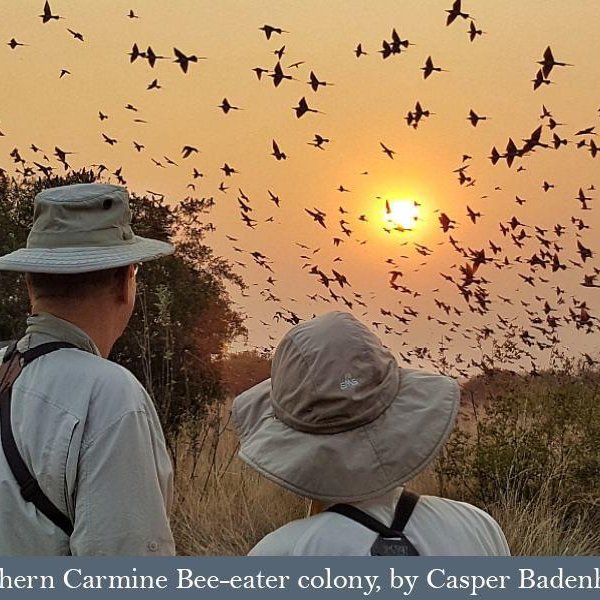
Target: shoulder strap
(404,509)
(347,510)
(12,365)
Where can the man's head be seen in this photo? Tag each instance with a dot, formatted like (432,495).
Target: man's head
(107,292)
(339,420)
(81,256)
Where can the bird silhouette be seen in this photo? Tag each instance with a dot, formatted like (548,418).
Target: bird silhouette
(548,62)
(473,31)
(315,83)
(455,12)
(319,141)
(429,68)
(269,30)
(540,79)
(303,108)
(229,171)
(259,72)
(47,14)
(154,85)
(358,51)
(277,153)
(278,75)
(475,118)
(14,44)
(76,35)
(225,106)
(387,150)
(186,151)
(184,60)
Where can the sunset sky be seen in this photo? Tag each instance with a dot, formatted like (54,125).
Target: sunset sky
(365,107)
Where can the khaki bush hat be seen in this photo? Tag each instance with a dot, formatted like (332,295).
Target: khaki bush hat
(339,420)
(80,228)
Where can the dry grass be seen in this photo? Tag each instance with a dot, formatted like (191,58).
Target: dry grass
(222,507)
(549,524)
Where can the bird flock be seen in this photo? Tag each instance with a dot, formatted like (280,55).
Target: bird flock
(471,303)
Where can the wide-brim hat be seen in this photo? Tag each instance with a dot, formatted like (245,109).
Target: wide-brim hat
(338,420)
(81,228)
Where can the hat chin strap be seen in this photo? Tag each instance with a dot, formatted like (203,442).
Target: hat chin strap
(315,507)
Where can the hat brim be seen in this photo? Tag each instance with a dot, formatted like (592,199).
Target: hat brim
(354,465)
(84,259)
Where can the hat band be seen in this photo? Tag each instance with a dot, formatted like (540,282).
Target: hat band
(110,236)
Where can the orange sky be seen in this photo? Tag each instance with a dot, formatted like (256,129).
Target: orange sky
(365,106)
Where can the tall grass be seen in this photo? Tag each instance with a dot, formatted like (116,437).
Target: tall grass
(222,507)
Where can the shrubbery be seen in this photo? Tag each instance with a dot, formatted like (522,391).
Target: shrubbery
(530,436)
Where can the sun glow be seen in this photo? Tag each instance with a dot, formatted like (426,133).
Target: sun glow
(402,214)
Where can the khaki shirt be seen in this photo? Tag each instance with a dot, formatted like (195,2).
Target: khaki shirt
(437,527)
(89,433)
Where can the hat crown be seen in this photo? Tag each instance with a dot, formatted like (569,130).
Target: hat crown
(332,374)
(81,215)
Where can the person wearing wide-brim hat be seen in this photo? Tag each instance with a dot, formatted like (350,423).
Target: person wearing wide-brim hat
(84,468)
(340,423)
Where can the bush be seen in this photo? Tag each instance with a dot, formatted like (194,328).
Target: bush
(530,436)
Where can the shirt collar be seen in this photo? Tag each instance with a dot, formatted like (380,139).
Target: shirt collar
(43,326)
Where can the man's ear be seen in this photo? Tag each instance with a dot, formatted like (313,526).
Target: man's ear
(125,287)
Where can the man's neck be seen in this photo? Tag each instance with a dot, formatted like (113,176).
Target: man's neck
(93,322)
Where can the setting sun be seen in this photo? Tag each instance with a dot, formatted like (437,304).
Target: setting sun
(401,213)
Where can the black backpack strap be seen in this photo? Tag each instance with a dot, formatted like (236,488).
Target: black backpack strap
(404,509)
(347,510)
(391,540)
(30,489)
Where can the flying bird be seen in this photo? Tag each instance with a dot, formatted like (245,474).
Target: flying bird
(455,12)
(14,44)
(229,171)
(47,14)
(225,106)
(270,30)
(548,62)
(303,108)
(429,68)
(358,51)
(387,150)
(315,83)
(277,152)
(475,118)
(319,141)
(278,75)
(473,31)
(184,60)
(259,72)
(151,56)
(110,141)
(186,151)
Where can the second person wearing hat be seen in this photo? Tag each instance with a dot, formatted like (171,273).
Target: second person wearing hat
(340,422)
